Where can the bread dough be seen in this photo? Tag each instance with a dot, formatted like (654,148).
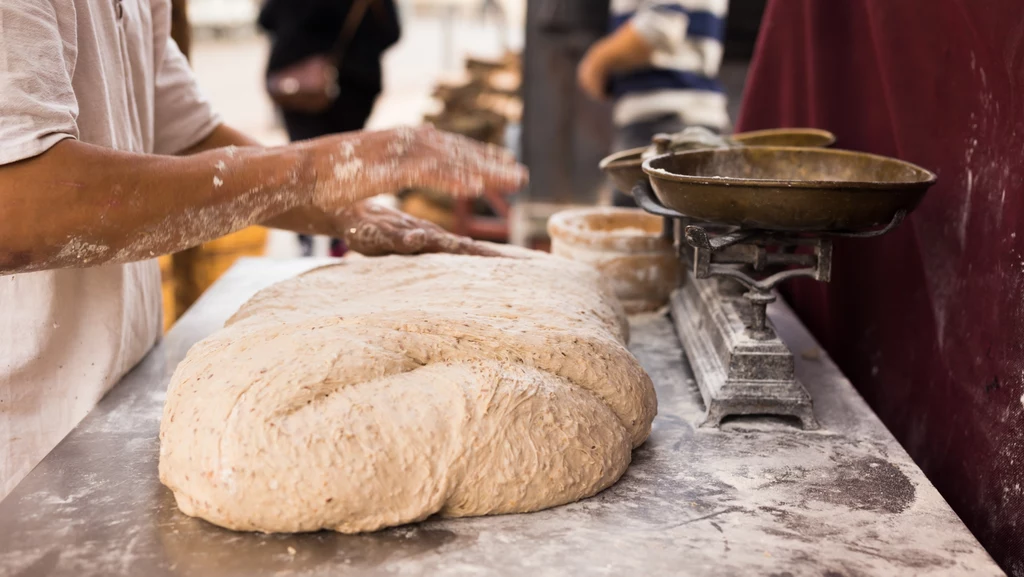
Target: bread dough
(381,391)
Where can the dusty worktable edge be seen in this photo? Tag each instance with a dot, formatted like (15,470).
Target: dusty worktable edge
(133,403)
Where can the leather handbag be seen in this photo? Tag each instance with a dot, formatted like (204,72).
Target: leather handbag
(311,84)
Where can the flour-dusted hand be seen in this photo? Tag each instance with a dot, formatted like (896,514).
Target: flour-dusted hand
(376,230)
(355,166)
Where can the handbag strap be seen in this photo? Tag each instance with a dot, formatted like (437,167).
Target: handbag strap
(348,30)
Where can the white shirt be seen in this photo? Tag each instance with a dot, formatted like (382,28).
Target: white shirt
(107,73)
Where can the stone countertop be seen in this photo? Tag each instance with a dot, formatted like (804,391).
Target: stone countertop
(759,497)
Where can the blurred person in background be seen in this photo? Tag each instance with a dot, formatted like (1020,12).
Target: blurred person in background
(660,65)
(350,36)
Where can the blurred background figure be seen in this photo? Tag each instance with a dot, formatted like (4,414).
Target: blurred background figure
(492,9)
(660,65)
(354,35)
(181,32)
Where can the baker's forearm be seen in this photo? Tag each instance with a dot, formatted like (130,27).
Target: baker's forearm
(84,205)
(303,219)
(221,137)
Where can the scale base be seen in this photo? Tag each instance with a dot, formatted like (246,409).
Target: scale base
(736,374)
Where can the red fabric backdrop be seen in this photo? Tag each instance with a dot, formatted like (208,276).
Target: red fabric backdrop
(928,322)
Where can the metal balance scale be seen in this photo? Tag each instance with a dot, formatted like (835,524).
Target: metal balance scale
(744,219)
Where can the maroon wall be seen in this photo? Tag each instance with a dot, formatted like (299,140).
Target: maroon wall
(928,322)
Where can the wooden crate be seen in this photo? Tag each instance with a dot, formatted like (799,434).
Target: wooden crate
(186,275)
(421,205)
(167,288)
(217,256)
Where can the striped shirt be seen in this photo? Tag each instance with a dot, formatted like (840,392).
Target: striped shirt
(686,36)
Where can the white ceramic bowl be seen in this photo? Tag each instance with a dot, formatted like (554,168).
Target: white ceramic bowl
(625,244)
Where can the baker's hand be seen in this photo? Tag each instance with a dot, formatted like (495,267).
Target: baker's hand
(375,230)
(592,74)
(355,166)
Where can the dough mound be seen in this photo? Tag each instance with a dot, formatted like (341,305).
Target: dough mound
(381,391)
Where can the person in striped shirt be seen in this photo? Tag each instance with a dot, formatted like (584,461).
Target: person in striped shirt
(660,65)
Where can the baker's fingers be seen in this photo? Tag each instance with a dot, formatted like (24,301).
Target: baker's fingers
(455,183)
(505,178)
(463,147)
(464,157)
(462,181)
(383,238)
(402,240)
(472,247)
(447,242)
(410,222)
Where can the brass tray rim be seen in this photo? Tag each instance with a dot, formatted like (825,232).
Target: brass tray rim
(627,156)
(852,185)
(622,156)
(742,137)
